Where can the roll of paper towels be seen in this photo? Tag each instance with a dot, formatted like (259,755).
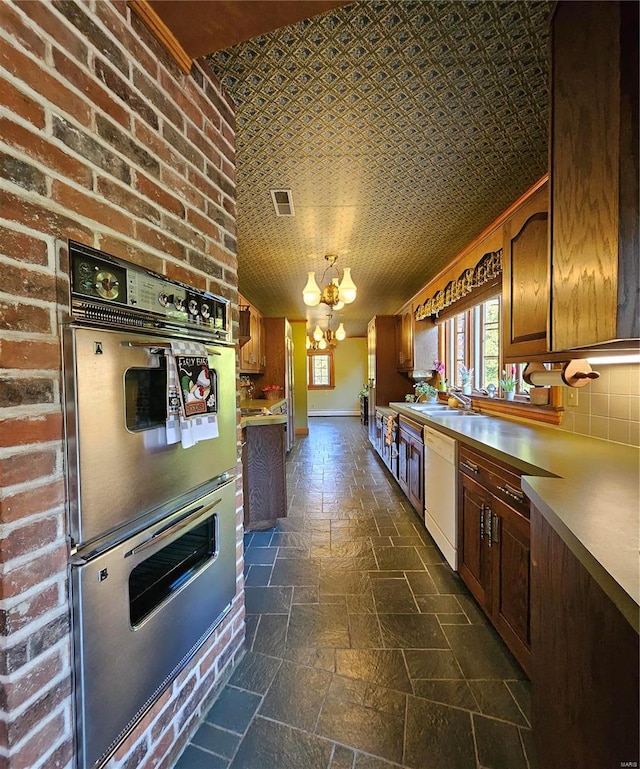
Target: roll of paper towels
(574,373)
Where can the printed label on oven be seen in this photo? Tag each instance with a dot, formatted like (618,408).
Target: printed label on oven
(198,385)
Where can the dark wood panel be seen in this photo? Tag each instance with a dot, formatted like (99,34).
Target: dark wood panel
(473,552)
(584,663)
(264,475)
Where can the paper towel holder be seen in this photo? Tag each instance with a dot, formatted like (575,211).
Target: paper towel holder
(574,373)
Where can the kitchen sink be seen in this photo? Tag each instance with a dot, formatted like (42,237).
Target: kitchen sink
(254,412)
(436,410)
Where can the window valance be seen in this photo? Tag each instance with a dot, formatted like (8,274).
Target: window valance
(486,270)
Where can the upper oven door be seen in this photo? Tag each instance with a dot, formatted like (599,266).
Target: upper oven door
(120,466)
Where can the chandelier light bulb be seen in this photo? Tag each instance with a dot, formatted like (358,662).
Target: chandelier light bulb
(317,333)
(322,344)
(308,343)
(311,292)
(340,332)
(347,287)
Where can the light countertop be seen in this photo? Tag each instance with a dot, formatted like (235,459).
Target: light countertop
(255,420)
(588,489)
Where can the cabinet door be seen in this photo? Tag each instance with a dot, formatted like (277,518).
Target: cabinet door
(525,280)
(511,567)
(416,476)
(594,173)
(404,340)
(473,540)
(404,447)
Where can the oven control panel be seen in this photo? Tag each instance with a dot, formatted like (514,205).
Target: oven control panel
(109,290)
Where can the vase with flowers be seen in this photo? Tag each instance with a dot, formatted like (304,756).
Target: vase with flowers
(438,367)
(466,379)
(508,383)
(425,392)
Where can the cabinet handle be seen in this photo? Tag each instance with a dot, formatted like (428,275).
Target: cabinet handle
(394,451)
(489,523)
(495,529)
(482,508)
(510,491)
(470,467)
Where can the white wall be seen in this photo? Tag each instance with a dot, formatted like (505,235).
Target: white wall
(350,363)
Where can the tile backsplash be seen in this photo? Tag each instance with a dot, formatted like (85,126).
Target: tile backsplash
(608,407)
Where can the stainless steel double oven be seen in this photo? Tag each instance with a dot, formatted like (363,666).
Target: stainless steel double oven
(152,524)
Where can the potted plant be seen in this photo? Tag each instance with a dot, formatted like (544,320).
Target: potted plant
(508,383)
(466,379)
(438,366)
(425,391)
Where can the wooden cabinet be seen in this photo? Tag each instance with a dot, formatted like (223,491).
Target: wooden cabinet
(252,353)
(410,472)
(584,664)
(525,280)
(385,439)
(277,343)
(264,482)
(386,384)
(404,339)
(416,343)
(493,547)
(594,173)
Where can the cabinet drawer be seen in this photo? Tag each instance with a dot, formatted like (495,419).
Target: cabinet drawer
(502,481)
(411,427)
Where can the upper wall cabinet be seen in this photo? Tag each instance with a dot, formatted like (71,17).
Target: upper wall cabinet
(594,174)
(525,279)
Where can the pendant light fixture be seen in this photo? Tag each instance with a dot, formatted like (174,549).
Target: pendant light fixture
(320,340)
(336,293)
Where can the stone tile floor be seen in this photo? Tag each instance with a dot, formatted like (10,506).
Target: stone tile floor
(364,650)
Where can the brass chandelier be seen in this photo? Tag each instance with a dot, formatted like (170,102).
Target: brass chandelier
(336,293)
(321,340)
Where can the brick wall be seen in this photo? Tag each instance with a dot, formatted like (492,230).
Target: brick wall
(103,140)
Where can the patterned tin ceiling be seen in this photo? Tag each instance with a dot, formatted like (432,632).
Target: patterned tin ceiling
(401,128)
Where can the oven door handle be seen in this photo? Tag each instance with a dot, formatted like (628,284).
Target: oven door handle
(164,346)
(172,528)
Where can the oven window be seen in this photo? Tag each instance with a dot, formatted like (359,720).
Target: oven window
(154,580)
(145,397)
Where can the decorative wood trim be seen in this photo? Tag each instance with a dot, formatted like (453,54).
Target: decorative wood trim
(144,11)
(418,296)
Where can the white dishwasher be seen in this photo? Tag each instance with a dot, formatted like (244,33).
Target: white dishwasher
(440,485)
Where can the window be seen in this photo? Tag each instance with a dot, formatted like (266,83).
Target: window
(472,339)
(320,371)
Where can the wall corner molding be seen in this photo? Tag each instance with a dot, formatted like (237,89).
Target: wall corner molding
(169,41)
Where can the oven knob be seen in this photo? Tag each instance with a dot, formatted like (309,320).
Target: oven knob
(163,299)
(179,304)
(193,307)
(205,311)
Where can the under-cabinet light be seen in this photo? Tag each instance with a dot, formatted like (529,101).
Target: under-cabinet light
(613,359)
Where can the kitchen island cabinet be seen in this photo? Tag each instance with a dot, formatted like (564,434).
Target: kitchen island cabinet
(264,482)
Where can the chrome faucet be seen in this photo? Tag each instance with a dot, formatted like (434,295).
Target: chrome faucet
(464,400)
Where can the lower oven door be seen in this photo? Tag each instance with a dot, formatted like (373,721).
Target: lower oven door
(141,610)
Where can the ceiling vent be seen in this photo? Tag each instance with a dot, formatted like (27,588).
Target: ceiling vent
(282,202)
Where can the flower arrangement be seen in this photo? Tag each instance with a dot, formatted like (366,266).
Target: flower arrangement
(271,392)
(466,375)
(509,383)
(438,366)
(424,389)
(364,392)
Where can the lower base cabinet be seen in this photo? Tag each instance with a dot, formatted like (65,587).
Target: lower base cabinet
(411,462)
(494,547)
(264,482)
(584,664)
